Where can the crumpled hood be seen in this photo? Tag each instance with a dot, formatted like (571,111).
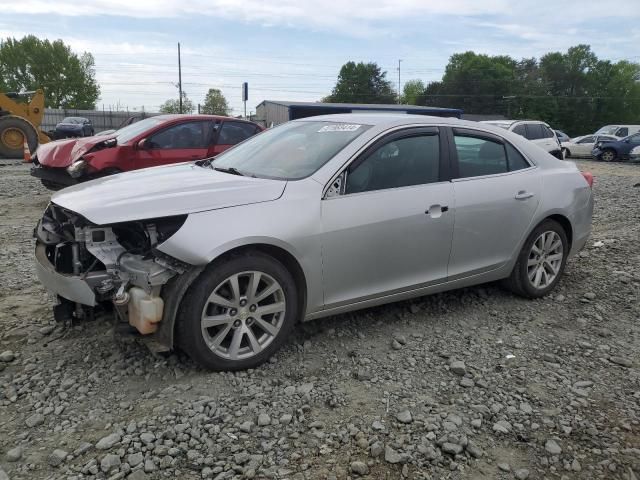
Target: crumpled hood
(62,153)
(164,191)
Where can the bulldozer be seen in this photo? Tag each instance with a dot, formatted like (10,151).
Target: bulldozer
(19,121)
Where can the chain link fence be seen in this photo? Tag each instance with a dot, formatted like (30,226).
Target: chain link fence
(101,119)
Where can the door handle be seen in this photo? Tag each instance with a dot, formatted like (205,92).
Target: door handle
(523,195)
(435,211)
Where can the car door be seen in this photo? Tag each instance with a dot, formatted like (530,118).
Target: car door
(496,193)
(180,142)
(583,147)
(387,225)
(231,133)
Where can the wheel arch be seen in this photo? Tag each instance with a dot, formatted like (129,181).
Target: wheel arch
(175,290)
(565,223)
(285,257)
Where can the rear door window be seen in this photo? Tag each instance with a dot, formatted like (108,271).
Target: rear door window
(479,156)
(587,140)
(535,131)
(548,133)
(235,132)
(622,132)
(520,130)
(182,136)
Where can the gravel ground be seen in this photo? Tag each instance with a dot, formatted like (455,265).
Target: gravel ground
(472,384)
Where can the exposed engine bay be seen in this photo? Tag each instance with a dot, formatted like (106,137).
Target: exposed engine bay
(98,264)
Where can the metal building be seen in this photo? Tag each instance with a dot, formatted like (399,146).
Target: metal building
(274,112)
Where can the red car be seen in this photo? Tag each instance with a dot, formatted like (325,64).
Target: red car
(154,141)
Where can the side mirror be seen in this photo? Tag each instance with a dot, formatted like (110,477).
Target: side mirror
(143,144)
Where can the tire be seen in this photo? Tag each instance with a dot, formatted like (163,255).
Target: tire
(230,319)
(608,155)
(11,128)
(567,153)
(520,281)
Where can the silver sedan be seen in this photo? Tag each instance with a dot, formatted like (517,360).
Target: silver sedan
(316,217)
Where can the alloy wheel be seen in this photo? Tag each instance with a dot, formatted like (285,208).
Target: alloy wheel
(608,156)
(243,315)
(545,259)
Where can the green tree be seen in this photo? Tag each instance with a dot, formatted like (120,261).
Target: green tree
(173,105)
(573,90)
(215,103)
(67,79)
(413,93)
(362,83)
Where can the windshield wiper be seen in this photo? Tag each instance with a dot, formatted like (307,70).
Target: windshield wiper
(231,170)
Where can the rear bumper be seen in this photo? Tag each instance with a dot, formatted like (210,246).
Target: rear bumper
(59,176)
(71,287)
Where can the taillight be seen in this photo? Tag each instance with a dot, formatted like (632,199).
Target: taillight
(588,176)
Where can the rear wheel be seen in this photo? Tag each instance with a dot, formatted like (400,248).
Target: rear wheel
(13,132)
(541,261)
(608,155)
(238,313)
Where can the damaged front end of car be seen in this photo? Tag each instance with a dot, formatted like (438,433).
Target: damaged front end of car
(87,265)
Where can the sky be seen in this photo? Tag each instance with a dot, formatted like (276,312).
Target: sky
(293,49)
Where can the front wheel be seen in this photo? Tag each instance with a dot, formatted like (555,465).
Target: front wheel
(541,261)
(608,155)
(238,313)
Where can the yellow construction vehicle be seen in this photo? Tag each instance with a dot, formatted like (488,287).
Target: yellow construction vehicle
(20,121)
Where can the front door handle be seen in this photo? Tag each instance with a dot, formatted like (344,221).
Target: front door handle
(523,195)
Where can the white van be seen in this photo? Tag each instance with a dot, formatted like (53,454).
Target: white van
(618,130)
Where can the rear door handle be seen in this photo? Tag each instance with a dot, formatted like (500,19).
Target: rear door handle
(435,211)
(523,195)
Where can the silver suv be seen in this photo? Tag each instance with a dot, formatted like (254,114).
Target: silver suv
(539,133)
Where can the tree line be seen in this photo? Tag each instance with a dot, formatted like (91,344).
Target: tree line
(68,79)
(573,90)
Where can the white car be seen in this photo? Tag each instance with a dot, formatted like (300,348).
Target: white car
(619,131)
(634,155)
(537,132)
(582,146)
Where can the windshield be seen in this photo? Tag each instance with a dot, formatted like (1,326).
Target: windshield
(73,120)
(607,130)
(291,151)
(127,133)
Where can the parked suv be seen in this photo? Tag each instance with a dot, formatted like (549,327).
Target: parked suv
(616,150)
(154,141)
(539,133)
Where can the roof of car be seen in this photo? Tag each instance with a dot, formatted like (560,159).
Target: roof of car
(196,116)
(387,119)
(511,122)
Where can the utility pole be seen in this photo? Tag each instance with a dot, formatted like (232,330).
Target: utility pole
(179,78)
(399,90)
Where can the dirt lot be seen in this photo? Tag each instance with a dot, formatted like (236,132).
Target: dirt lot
(474,384)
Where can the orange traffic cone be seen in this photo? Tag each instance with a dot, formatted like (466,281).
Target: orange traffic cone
(26,152)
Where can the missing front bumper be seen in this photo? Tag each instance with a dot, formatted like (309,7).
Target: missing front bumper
(71,287)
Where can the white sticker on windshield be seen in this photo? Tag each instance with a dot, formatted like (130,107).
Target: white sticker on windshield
(340,127)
